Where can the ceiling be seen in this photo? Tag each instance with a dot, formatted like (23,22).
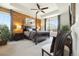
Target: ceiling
(25,8)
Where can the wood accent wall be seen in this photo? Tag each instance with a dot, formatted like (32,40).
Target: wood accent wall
(4,9)
(18,21)
(38,24)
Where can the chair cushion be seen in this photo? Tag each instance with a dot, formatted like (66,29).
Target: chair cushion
(47,48)
(66,51)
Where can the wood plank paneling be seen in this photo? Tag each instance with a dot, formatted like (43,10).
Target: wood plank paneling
(4,9)
(18,21)
(38,24)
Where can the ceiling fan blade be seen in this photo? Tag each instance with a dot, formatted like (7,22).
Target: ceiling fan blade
(37,12)
(44,8)
(38,6)
(34,9)
(43,11)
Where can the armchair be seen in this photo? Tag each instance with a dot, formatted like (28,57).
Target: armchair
(59,46)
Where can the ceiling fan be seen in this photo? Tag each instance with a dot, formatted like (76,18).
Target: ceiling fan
(40,9)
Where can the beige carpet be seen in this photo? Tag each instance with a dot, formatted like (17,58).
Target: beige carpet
(22,48)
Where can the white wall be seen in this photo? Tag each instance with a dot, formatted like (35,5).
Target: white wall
(64,19)
(77,12)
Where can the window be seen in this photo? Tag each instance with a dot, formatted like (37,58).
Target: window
(52,24)
(5,19)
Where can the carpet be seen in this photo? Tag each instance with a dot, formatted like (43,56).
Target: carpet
(23,48)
